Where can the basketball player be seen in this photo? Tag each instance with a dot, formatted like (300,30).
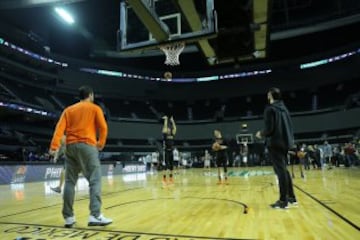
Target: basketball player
(221,157)
(306,156)
(154,160)
(292,156)
(169,131)
(59,154)
(176,156)
(207,163)
(245,153)
(279,136)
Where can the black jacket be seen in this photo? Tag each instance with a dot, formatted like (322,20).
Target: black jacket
(278,130)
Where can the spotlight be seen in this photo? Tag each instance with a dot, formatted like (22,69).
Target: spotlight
(64,15)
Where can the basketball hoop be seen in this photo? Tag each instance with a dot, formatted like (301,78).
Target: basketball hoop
(172,52)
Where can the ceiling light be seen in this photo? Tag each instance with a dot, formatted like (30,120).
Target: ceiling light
(64,15)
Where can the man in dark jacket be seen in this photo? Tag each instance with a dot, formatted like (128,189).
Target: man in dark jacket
(279,138)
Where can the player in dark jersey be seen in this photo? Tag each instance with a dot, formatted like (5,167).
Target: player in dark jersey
(169,131)
(220,149)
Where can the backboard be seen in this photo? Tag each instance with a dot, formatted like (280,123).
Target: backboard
(243,138)
(146,24)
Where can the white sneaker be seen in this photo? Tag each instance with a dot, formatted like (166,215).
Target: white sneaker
(69,222)
(99,221)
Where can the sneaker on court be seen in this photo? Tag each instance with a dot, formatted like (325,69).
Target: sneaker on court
(292,201)
(279,205)
(99,221)
(69,222)
(56,189)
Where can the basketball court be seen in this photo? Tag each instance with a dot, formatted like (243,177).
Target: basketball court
(195,207)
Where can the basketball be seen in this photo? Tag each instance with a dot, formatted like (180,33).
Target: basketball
(301,154)
(216,146)
(168,76)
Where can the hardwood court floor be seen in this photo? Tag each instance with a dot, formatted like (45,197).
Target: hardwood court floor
(195,207)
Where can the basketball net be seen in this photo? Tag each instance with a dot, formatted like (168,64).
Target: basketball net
(172,52)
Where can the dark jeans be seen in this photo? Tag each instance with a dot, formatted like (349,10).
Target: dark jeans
(278,158)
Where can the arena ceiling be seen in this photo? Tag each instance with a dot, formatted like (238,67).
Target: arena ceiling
(249,31)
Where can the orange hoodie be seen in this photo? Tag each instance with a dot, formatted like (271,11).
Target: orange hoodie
(81,122)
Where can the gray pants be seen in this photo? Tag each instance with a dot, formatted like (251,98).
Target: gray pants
(81,157)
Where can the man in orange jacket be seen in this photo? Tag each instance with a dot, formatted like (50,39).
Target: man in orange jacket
(81,122)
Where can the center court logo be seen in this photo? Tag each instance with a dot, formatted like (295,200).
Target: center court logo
(33,232)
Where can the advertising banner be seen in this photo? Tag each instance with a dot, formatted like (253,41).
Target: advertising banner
(12,174)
